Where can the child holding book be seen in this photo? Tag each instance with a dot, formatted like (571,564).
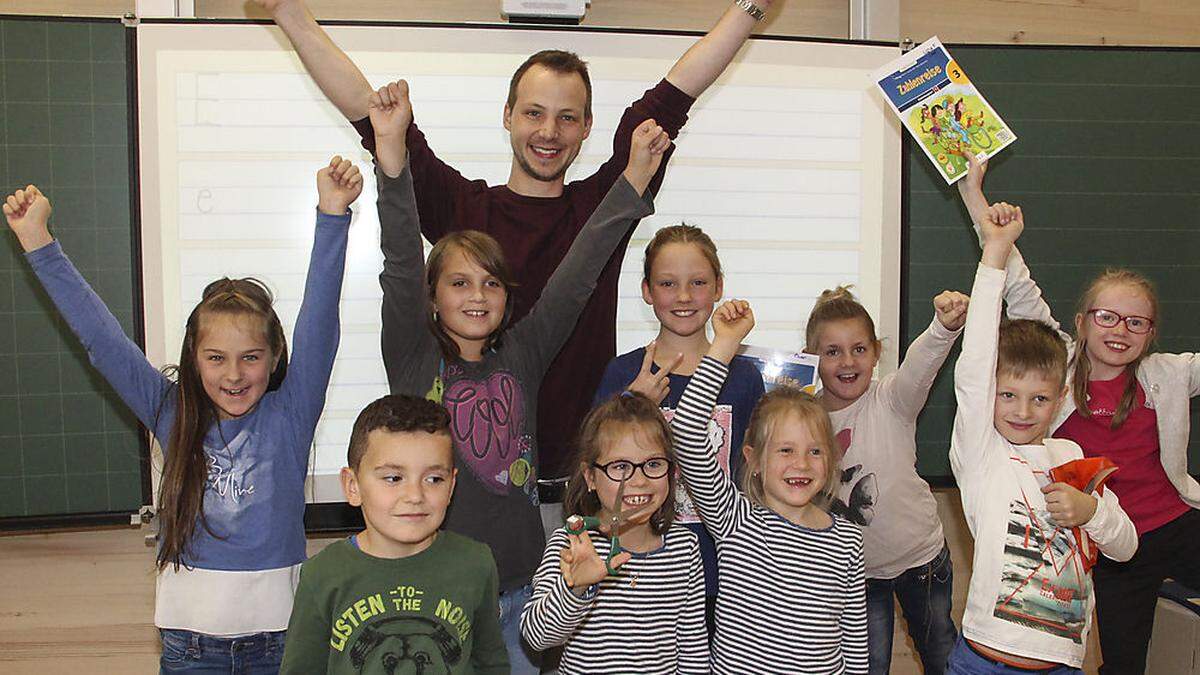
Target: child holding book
(1029,605)
(1130,404)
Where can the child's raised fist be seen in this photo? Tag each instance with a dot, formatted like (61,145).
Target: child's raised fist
(951,309)
(390,109)
(646,149)
(1003,223)
(338,184)
(732,321)
(28,214)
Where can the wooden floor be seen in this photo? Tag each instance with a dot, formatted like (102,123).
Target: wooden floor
(83,602)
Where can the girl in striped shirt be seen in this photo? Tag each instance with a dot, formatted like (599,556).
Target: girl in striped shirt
(792,587)
(647,616)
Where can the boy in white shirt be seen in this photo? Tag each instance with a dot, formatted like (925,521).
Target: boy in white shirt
(1029,606)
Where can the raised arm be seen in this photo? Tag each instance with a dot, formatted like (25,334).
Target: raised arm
(975,371)
(335,74)
(551,321)
(318,329)
(1022,296)
(907,390)
(109,349)
(715,496)
(691,636)
(853,620)
(402,279)
(704,62)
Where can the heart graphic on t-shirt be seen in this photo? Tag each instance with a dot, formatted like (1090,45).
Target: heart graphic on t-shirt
(486,419)
(844,438)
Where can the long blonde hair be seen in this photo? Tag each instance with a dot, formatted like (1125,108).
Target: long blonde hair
(1080,362)
(773,407)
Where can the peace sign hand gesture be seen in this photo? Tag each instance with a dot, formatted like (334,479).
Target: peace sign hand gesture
(654,386)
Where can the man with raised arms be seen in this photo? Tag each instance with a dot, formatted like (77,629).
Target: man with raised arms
(535,216)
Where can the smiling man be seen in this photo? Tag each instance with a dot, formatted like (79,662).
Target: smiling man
(535,215)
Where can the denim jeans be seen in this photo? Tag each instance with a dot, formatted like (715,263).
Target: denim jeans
(925,596)
(966,661)
(522,659)
(184,651)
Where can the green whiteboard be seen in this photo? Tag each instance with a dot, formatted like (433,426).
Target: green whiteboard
(67,444)
(1107,170)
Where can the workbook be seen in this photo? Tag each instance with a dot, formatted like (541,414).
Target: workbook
(946,115)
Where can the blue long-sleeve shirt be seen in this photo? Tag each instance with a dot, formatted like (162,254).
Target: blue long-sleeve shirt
(254,497)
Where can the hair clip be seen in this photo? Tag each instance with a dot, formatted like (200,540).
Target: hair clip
(627,394)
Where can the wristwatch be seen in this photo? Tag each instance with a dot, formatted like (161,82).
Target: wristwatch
(750,8)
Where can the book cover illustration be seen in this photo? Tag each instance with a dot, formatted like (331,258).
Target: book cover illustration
(779,367)
(946,115)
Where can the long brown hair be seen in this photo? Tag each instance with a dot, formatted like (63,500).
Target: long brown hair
(773,407)
(624,413)
(485,251)
(185,470)
(1080,362)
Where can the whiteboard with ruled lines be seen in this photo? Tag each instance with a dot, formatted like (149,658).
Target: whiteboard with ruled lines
(789,162)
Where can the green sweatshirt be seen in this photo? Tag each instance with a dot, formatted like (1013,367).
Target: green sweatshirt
(436,610)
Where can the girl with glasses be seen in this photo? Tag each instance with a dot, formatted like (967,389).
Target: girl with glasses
(646,615)
(1129,404)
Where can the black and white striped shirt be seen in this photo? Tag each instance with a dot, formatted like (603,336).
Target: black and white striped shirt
(646,618)
(792,599)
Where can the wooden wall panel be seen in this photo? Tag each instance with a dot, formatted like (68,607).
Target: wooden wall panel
(824,18)
(1066,22)
(67,7)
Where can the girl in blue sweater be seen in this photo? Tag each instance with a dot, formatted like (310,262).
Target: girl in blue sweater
(236,434)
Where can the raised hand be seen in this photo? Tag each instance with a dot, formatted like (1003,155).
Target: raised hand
(338,185)
(391,112)
(951,309)
(28,215)
(582,567)
(654,386)
(973,182)
(1000,225)
(1003,222)
(731,323)
(1068,507)
(646,149)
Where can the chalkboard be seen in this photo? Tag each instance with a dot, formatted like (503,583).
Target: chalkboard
(1107,170)
(67,444)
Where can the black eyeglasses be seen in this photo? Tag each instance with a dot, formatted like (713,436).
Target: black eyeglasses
(622,470)
(1106,318)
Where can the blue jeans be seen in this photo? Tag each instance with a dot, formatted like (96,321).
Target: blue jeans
(966,661)
(520,656)
(925,596)
(184,651)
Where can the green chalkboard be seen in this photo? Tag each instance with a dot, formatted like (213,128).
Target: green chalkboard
(67,444)
(1107,170)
